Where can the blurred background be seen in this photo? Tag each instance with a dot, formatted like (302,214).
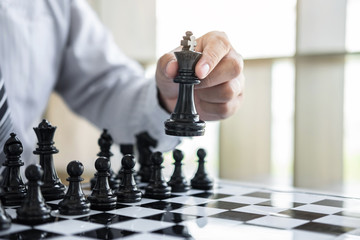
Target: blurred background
(300,121)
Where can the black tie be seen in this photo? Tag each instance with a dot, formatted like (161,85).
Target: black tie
(5,122)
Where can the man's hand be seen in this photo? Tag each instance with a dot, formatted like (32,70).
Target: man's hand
(219,94)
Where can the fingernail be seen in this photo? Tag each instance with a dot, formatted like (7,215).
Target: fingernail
(204,70)
(167,68)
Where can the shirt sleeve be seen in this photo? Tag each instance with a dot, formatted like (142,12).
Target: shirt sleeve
(98,82)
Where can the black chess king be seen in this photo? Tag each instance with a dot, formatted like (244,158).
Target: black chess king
(185,121)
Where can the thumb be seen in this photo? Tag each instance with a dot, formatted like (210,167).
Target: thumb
(166,71)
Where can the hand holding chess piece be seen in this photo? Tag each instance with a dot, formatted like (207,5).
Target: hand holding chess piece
(219,93)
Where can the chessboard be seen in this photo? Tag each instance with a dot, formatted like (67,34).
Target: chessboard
(229,211)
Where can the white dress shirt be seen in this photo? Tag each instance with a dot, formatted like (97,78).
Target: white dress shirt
(60,45)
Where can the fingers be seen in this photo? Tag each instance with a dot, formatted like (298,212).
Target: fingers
(222,93)
(214,46)
(221,101)
(167,65)
(220,69)
(167,68)
(229,67)
(216,111)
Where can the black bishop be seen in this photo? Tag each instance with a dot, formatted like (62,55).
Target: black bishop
(12,184)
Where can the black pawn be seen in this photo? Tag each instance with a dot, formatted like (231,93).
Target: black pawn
(128,192)
(34,209)
(105,141)
(124,150)
(5,220)
(157,187)
(177,181)
(144,144)
(52,188)
(13,185)
(74,202)
(185,121)
(201,179)
(102,197)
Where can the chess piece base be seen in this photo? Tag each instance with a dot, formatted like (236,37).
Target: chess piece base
(189,129)
(128,197)
(205,184)
(179,186)
(33,213)
(157,193)
(81,208)
(34,218)
(102,204)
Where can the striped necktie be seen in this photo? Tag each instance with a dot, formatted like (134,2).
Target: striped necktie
(5,121)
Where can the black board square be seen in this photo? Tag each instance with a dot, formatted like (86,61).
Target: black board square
(35,223)
(106,233)
(177,230)
(280,204)
(53,206)
(30,234)
(292,213)
(211,195)
(172,217)
(259,194)
(237,216)
(105,218)
(162,205)
(331,203)
(325,228)
(119,205)
(347,213)
(223,205)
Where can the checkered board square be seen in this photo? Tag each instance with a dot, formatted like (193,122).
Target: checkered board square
(229,211)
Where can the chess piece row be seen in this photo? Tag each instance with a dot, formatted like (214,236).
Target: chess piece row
(145,143)
(43,181)
(200,180)
(34,209)
(14,189)
(101,197)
